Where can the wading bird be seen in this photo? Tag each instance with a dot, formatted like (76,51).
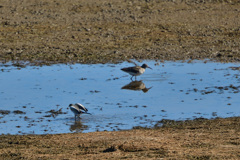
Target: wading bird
(78,109)
(136,70)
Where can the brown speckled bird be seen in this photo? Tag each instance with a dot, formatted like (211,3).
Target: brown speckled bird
(136,70)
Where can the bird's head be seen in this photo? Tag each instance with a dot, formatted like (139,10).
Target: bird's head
(145,66)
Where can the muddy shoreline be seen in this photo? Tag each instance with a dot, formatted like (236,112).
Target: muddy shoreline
(193,139)
(49,32)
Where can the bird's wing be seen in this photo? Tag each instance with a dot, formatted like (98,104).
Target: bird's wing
(80,106)
(131,69)
(75,110)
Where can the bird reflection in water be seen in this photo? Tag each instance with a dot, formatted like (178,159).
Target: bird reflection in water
(77,127)
(137,86)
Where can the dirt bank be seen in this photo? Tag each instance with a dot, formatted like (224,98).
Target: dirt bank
(198,139)
(92,31)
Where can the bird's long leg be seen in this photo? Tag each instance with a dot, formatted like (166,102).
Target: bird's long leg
(131,78)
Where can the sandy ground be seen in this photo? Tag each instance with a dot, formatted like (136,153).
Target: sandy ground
(198,139)
(50,31)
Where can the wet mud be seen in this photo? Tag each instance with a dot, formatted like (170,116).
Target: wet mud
(194,139)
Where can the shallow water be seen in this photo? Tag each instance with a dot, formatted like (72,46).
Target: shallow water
(34,100)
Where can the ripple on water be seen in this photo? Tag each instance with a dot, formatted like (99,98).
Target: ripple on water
(34,100)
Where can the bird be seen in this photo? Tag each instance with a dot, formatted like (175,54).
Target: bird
(136,70)
(78,109)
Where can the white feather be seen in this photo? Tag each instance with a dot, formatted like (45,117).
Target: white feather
(81,107)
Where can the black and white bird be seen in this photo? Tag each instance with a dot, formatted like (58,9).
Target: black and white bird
(78,109)
(136,70)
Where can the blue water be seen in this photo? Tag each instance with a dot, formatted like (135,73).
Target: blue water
(173,90)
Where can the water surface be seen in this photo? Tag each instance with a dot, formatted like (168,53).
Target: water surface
(34,100)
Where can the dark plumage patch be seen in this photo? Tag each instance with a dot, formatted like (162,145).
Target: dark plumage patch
(130,69)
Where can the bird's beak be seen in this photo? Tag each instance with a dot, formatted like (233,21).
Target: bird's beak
(149,67)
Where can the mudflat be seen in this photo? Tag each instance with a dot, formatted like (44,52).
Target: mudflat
(50,31)
(80,31)
(197,139)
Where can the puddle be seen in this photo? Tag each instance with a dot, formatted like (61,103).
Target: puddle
(34,100)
